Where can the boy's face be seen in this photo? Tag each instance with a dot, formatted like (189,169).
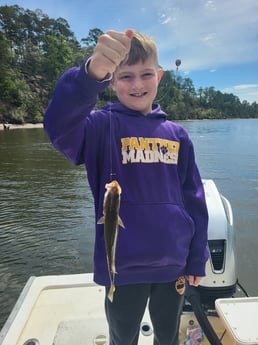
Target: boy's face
(136,85)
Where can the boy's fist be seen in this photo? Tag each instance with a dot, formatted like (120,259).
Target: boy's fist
(111,49)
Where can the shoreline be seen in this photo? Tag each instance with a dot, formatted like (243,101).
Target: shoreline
(23,126)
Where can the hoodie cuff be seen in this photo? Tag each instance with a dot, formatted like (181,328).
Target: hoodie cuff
(108,77)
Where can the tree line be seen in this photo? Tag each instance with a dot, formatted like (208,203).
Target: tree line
(35,50)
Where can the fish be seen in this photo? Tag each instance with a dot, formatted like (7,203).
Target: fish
(111,221)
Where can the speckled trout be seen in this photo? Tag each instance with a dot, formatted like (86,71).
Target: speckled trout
(111,221)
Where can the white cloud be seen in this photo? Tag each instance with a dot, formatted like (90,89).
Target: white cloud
(245,86)
(209,33)
(206,34)
(210,5)
(165,19)
(245,92)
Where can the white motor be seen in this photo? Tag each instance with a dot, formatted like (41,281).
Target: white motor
(221,276)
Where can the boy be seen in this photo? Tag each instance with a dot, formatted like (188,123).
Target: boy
(162,202)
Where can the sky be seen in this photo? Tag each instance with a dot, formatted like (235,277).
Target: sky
(216,40)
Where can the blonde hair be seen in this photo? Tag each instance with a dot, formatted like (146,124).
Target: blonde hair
(142,48)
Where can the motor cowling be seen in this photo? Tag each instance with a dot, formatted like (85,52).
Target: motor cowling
(221,275)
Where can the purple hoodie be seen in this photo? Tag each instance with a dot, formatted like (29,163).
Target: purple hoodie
(163,205)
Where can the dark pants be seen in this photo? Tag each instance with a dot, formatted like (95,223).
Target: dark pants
(125,314)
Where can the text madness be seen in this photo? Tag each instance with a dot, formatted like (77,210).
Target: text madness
(149,150)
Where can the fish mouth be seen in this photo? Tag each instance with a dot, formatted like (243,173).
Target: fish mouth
(113,186)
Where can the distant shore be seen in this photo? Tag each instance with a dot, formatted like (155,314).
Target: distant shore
(23,126)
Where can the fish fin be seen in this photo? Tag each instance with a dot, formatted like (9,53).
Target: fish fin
(113,269)
(111,293)
(101,220)
(120,222)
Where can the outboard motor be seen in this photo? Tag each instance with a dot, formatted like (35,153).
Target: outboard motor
(221,276)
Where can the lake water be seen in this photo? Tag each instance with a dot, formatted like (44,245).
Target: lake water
(46,207)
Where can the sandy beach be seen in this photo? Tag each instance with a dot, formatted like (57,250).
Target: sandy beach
(23,126)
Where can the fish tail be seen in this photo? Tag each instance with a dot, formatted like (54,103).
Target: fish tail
(111,293)
(113,269)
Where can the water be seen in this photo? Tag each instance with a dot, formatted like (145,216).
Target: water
(46,208)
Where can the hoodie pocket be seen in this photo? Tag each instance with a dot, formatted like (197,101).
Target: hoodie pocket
(154,234)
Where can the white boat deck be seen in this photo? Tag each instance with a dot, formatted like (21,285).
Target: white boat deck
(59,310)
(69,309)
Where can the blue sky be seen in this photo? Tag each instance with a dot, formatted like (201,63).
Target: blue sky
(217,40)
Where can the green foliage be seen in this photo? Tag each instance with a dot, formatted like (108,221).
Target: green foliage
(57,57)
(36,50)
(91,40)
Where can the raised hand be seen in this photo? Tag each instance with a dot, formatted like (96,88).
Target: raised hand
(111,49)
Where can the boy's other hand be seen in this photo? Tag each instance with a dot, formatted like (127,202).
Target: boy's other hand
(194,280)
(111,49)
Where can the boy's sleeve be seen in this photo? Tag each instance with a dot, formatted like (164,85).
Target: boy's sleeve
(195,204)
(74,98)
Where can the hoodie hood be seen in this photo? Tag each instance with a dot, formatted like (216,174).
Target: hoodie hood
(120,108)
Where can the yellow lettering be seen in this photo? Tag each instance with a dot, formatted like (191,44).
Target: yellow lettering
(173,146)
(149,150)
(144,143)
(154,142)
(125,143)
(134,144)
